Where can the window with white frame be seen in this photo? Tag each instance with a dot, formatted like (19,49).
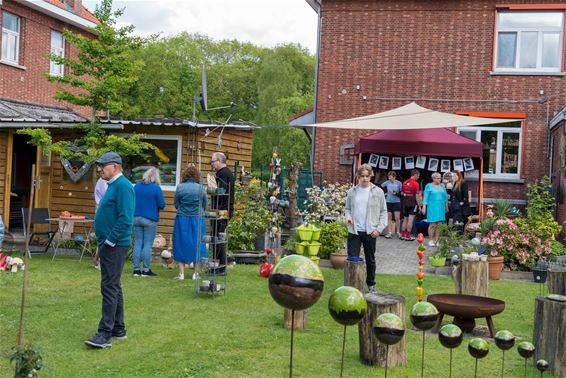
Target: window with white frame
(167,159)
(57,48)
(501,148)
(10,37)
(529,41)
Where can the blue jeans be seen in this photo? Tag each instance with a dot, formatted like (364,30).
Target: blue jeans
(144,233)
(1,232)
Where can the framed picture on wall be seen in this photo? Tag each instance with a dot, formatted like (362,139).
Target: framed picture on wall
(373,160)
(468,164)
(384,162)
(433,164)
(445,165)
(458,165)
(397,163)
(409,162)
(421,162)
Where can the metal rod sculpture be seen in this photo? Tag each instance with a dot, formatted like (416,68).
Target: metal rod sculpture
(347,305)
(420,275)
(526,350)
(424,316)
(542,366)
(450,336)
(504,341)
(478,348)
(389,329)
(295,283)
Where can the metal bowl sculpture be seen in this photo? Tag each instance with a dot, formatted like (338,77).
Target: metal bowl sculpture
(478,348)
(526,349)
(424,315)
(296,282)
(450,336)
(347,305)
(388,328)
(504,340)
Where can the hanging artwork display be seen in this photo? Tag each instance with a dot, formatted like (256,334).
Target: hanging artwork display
(458,165)
(468,164)
(384,162)
(421,162)
(433,164)
(373,160)
(445,165)
(396,163)
(409,162)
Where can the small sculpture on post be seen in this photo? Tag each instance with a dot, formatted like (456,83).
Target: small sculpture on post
(478,348)
(504,341)
(389,329)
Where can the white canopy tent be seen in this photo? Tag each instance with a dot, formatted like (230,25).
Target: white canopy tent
(410,116)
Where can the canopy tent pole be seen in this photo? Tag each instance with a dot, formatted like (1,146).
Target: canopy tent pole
(480,194)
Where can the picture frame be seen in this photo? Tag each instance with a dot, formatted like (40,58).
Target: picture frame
(384,162)
(458,165)
(468,164)
(445,165)
(373,160)
(409,162)
(433,164)
(397,163)
(421,162)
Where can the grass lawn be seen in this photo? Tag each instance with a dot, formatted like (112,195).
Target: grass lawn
(173,334)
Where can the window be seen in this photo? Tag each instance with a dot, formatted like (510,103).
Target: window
(168,159)
(57,48)
(10,37)
(501,148)
(529,41)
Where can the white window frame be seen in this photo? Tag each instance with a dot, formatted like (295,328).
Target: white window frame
(7,33)
(57,69)
(499,148)
(541,31)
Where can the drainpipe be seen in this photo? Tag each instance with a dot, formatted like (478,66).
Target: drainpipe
(315,91)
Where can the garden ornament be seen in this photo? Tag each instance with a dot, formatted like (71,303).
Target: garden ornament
(14,263)
(504,341)
(424,316)
(389,329)
(478,348)
(526,350)
(420,275)
(450,336)
(542,366)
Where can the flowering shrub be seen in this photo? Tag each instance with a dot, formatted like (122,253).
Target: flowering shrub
(328,201)
(520,248)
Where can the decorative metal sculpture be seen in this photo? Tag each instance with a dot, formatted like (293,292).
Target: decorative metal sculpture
(420,275)
(504,340)
(450,336)
(424,316)
(542,366)
(347,305)
(526,350)
(389,329)
(295,283)
(478,348)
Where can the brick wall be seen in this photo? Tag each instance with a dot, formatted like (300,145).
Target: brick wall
(30,84)
(399,51)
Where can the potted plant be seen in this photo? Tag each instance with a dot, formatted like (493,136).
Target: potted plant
(332,236)
(450,243)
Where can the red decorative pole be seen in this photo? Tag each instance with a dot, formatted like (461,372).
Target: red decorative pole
(420,275)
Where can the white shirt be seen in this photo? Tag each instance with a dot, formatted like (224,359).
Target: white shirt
(362,199)
(99,190)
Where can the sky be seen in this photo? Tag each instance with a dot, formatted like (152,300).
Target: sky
(262,22)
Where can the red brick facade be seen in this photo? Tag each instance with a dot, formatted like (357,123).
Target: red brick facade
(437,53)
(30,84)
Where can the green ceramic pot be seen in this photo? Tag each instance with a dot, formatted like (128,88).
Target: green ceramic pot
(313,248)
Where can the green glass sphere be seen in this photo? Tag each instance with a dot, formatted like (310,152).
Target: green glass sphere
(478,348)
(542,365)
(388,328)
(424,315)
(347,305)
(450,336)
(526,349)
(504,339)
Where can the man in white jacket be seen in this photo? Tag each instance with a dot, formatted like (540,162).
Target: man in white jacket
(366,216)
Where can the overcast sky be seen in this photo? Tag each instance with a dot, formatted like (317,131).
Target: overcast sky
(261,22)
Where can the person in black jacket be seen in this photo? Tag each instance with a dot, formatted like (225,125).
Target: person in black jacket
(224,180)
(459,203)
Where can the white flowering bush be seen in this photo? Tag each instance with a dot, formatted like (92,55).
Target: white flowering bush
(327,201)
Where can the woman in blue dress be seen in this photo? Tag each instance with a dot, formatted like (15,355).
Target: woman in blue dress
(190,200)
(435,206)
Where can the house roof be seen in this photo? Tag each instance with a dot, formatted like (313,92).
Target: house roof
(83,12)
(20,111)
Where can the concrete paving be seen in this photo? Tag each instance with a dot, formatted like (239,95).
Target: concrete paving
(395,256)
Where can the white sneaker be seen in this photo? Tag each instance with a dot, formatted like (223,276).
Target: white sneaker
(388,236)
(431,243)
(372,289)
(179,277)
(195,276)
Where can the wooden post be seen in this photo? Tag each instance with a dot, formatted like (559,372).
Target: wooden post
(355,274)
(556,282)
(372,352)
(300,319)
(549,334)
(472,278)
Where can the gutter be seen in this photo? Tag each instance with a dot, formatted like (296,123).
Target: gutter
(59,14)
(47,125)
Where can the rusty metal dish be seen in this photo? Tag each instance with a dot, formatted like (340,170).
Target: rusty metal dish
(466,306)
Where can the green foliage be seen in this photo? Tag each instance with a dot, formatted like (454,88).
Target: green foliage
(251,218)
(332,235)
(557,248)
(449,238)
(328,201)
(28,361)
(540,209)
(486,225)
(502,208)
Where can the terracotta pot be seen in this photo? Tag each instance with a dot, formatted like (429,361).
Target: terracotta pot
(338,260)
(495,267)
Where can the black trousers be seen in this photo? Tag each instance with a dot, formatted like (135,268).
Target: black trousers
(112,261)
(219,250)
(354,246)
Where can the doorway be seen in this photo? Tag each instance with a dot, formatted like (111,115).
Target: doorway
(23,157)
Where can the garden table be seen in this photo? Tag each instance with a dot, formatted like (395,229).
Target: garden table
(65,225)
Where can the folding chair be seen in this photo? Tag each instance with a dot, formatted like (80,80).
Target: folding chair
(39,216)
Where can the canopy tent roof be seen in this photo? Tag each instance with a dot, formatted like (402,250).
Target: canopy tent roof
(437,142)
(410,116)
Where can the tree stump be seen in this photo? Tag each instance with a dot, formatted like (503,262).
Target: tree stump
(549,335)
(301,317)
(355,274)
(556,282)
(471,278)
(372,352)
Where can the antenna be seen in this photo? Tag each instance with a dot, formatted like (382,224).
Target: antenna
(203,95)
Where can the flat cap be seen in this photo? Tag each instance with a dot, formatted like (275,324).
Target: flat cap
(109,157)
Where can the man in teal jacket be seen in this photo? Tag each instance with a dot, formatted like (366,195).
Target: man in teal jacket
(113,224)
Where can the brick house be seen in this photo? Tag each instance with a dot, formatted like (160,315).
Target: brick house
(483,58)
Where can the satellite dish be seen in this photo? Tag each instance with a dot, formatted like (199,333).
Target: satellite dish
(203,95)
